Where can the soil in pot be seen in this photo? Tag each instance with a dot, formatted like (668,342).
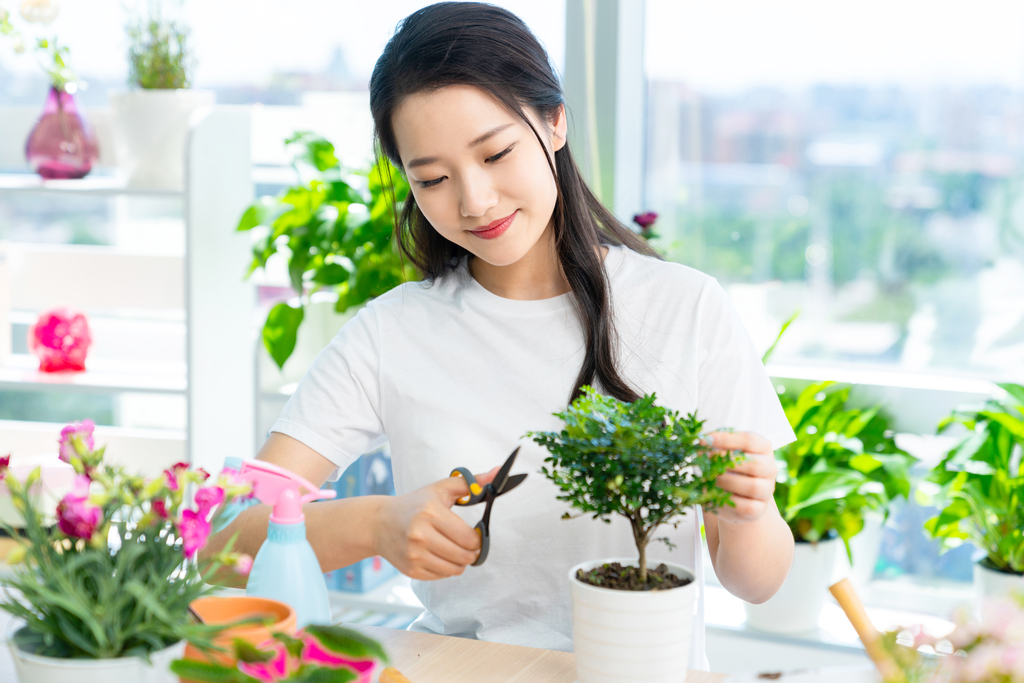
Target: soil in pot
(618,577)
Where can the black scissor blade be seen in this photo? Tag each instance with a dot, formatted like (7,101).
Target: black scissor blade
(512,482)
(502,477)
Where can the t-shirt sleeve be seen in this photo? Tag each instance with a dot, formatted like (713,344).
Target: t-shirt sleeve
(335,410)
(733,388)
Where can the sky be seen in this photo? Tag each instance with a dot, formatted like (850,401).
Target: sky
(730,45)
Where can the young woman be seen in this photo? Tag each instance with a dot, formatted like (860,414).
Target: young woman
(532,289)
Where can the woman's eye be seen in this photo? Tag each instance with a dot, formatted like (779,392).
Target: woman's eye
(501,154)
(431,183)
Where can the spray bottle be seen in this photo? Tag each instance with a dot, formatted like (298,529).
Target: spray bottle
(286,568)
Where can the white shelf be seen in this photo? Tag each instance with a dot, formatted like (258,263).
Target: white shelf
(21,373)
(90,185)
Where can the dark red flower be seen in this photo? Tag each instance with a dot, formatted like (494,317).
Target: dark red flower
(5,463)
(645,220)
(160,508)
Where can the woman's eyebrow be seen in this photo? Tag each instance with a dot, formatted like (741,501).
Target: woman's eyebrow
(423,161)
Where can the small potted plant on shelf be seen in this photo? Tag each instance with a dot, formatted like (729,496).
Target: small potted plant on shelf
(981,490)
(151,118)
(843,467)
(61,145)
(651,466)
(100,594)
(337,223)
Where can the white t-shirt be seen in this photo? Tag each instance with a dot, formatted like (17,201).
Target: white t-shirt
(455,375)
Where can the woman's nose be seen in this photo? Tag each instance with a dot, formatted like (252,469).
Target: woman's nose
(478,196)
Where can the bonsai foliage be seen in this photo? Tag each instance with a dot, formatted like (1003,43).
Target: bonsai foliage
(982,482)
(317,654)
(638,460)
(159,52)
(336,230)
(114,573)
(844,462)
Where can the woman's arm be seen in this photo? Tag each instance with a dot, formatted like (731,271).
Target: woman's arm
(417,532)
(751,546)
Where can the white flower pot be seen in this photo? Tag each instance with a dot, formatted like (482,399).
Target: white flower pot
(149,129)
(797,606)
(865,546)
(38,669)
(632,636)
(989,583)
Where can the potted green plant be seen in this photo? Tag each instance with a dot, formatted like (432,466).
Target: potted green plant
(981,490)
(151,118)
(100,593)
(648,464)
(843,467)
(336,225)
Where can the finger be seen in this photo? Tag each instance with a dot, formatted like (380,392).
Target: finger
(446,549)
(741,485)
(430,563)
(455,529)
(744,509)
(748,442)
(756,466)
(455,487)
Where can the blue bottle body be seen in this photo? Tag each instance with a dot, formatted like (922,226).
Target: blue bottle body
(286,569)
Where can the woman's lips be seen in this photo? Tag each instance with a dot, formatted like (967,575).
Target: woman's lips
(490,233)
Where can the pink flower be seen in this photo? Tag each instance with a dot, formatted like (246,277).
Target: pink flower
(243,565)
(276,669)
(208,498)
(160,508)
(314,652)
(5,463)
(204,475)
(76,517)
(645,220)
(172,475)
(60,340)
(234,484)
(194,530)
(76,440)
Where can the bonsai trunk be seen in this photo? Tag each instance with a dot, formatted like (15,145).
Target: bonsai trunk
(640,536)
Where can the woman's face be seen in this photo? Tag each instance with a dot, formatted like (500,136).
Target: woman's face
(472,164)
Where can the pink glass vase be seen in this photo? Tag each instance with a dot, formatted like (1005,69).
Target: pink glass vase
(62,144)
(60,340)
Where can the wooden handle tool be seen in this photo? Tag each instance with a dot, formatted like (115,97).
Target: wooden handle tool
(391,675)
(846,596)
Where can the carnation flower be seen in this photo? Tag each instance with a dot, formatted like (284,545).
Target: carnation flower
(76,440)
(76,517)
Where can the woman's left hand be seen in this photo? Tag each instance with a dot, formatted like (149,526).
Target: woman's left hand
(751,482)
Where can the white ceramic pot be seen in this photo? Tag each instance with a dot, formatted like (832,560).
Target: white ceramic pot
(632,636)
(150,127)
(865,546)
(797,606)
(38,669)
(989,583)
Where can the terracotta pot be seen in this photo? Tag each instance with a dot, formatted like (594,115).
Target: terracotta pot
(226,610)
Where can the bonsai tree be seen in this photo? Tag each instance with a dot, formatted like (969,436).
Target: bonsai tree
(335,228)
(638,460)
(981,482)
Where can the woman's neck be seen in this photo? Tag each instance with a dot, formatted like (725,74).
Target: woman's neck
(538,275)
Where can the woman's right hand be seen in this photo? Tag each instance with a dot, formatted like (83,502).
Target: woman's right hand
(420,535)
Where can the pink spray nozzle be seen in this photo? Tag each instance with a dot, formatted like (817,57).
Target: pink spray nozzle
(279,487)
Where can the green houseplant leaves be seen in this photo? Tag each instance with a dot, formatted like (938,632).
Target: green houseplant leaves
(843,463)
(981,482)
(336,231)
(638,460)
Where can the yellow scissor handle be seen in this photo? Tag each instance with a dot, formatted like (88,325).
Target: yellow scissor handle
(476,492)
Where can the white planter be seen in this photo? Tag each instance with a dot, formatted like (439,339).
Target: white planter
(149,129)
(632,636)
(866,547)
(988,583)
(797,606)
(37,669)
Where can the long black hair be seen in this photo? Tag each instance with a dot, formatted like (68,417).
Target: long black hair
(477,44)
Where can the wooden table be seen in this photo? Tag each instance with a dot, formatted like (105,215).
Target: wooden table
(427,658)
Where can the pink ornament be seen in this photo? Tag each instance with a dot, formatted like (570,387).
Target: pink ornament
(60,340)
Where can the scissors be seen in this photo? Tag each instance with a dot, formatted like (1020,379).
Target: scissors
(501,484)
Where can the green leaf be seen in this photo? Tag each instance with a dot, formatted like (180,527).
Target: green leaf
(208,672)
(331,274)
(280,331)
(348,642)
(1015,390)
(330,676)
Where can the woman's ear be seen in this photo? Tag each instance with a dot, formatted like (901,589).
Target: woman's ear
(560,129)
